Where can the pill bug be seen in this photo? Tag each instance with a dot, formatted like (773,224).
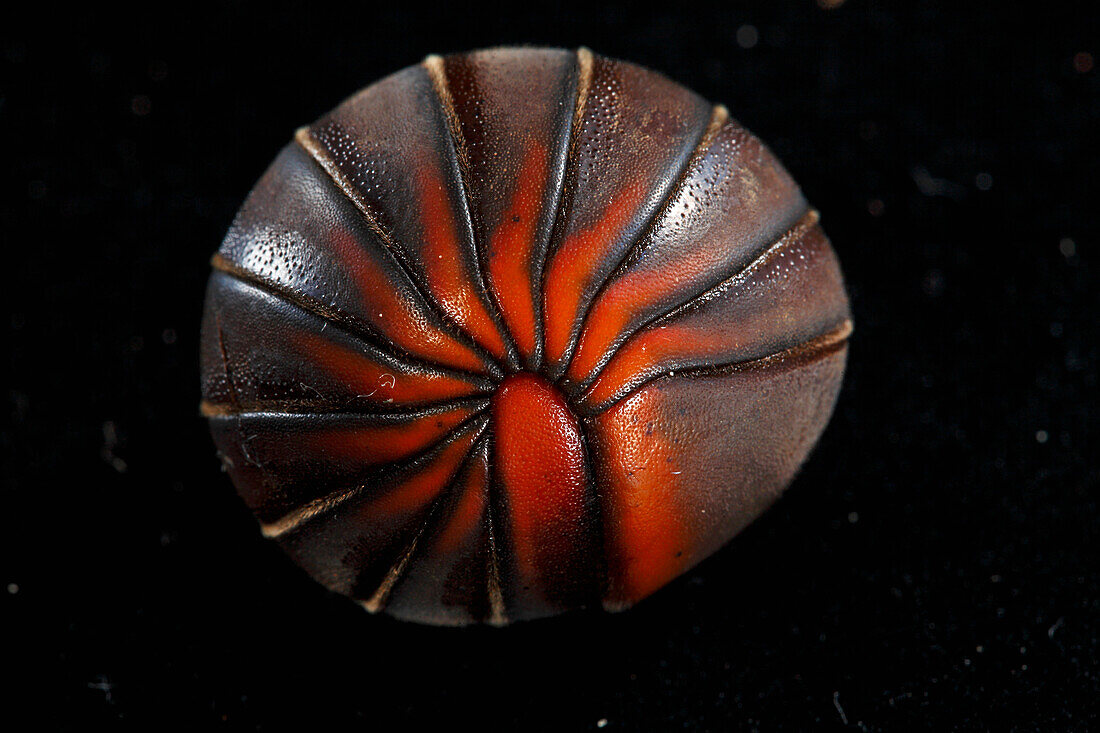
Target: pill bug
(518,331)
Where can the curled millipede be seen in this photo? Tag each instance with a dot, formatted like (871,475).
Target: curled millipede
(519,331)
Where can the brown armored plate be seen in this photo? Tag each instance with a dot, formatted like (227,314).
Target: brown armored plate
(519,331)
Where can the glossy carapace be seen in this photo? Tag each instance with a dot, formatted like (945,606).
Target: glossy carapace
(518,331)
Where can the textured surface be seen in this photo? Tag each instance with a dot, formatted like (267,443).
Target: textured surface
(517,332)
(931,567)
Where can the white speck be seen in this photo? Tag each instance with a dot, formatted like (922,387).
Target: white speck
(1067,247)
(1057,625)
(13,588)
(1041,436)
(853,517)
(601,723)
(836,704)
(103,684)
(747,36)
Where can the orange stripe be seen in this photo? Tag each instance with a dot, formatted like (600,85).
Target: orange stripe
(444,266)
(572,268)
(645,351)
(393,315)
(417,490)
(469,513)
(375,383)
(374,444)
(511,249)
(613,312)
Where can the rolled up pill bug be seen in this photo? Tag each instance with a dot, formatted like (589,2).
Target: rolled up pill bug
(518,331)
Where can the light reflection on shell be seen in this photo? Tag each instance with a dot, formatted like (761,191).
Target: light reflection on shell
(519,331)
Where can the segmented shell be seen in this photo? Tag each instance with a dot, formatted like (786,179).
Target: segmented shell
(518,331)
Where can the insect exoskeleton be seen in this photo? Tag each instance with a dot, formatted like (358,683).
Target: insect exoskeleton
(519,331)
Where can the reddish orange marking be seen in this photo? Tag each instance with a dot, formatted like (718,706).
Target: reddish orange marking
(573,267)
(640,292)
(511,249)
(648,539)
(424,485)
(384,443)
(540,465)
(392,315)
(469,513)
(443,265)
(644,354)
(374,382)
(612,313)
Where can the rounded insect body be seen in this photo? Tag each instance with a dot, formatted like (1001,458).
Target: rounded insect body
(519,331)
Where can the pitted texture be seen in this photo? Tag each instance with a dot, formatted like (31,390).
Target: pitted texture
(519,331)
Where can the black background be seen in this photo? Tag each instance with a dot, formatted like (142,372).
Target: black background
(933,566)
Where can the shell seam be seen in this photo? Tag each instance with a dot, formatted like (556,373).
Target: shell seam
(498,613)
(808,220)
(249,459)
(601,542)
(584,61)
(352,326)
(804,223)
(381,595)
(216,410)
(304,137)
(806,352)
(295,518)
(718,118)
(438,74)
